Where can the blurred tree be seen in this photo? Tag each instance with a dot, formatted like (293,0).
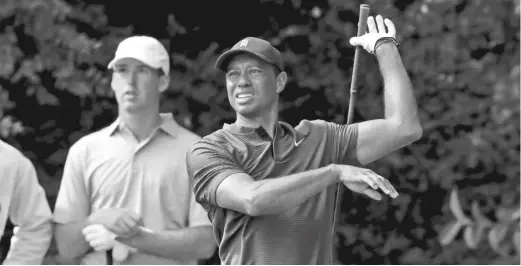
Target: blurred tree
(459,185)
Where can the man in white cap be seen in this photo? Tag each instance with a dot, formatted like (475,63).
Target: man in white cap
(125,188)
(23,201)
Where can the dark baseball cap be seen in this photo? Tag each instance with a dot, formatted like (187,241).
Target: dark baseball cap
(254,46)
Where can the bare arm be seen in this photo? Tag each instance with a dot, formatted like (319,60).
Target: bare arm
(31,214)
(70,241)
(401,126)
(219,182)
(191,243)
(241,193)
(72,208)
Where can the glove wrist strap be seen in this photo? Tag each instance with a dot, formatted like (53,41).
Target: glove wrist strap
(383,40)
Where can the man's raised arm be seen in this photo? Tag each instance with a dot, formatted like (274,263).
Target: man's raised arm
(401,126)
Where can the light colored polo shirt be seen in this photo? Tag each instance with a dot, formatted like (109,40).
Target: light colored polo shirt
(23,201)
(110,169)
(302,235)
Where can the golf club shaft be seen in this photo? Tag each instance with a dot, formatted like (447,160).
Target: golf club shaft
(362,25)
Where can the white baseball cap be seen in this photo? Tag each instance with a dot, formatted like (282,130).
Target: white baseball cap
(145,49)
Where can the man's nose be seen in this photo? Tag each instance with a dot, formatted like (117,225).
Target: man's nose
(244,80)
(132,78)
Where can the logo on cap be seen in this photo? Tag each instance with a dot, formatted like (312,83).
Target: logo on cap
(244,43)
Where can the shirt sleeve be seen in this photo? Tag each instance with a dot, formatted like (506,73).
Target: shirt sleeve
(208,165)
(72,203)
(29,211)
(197,216)
(341,140)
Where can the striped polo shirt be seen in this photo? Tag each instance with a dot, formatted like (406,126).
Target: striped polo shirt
(302,235)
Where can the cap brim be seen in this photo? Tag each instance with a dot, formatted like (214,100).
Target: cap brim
(223,60)
(142,60)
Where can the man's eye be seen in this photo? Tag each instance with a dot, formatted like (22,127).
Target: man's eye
(255,71)
(232,73)
(143,70)
(121,70)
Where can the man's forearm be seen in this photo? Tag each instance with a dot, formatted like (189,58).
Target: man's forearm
(277,195)
(184,244)
(400,104)
(70,241)
(29,244)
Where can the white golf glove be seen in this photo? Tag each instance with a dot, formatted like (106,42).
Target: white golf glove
(377,34)
(102,239)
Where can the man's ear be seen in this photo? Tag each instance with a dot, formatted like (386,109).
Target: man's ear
(164,81)
(282,78)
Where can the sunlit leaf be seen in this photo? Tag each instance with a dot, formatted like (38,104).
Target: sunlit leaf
(455,207)
(473,234)
(80,88)
(478,216)
(449,232)
(496,236)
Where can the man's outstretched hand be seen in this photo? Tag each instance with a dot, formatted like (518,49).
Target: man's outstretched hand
(377,31)
(364,181)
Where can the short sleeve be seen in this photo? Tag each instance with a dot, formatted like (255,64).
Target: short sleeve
(72,203)
(31,214)
(342,140)
(207,166)
(197,216)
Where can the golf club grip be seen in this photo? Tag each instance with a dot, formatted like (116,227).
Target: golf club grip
(110,260)
(362,25)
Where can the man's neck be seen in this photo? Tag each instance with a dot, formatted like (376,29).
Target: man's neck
(268,121)
(142,123)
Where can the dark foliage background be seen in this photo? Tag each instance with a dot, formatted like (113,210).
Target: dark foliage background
(459,184)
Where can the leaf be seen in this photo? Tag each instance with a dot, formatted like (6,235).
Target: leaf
(413,256)
(6,8)
(481,224)
(17,128)
(449,232)
(6,123)
(46,98)
(173,27)
(395,242)
(478,216)
(473,235)
(57,157)
(455,207)
(474,232)
(80,88)
(64,72)
(504,213)
(496,236)
(8,60)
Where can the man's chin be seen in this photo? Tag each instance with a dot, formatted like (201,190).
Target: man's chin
(247,112)
(130,107)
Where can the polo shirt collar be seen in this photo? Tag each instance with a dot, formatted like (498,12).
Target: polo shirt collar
(168,125)
(280,129)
